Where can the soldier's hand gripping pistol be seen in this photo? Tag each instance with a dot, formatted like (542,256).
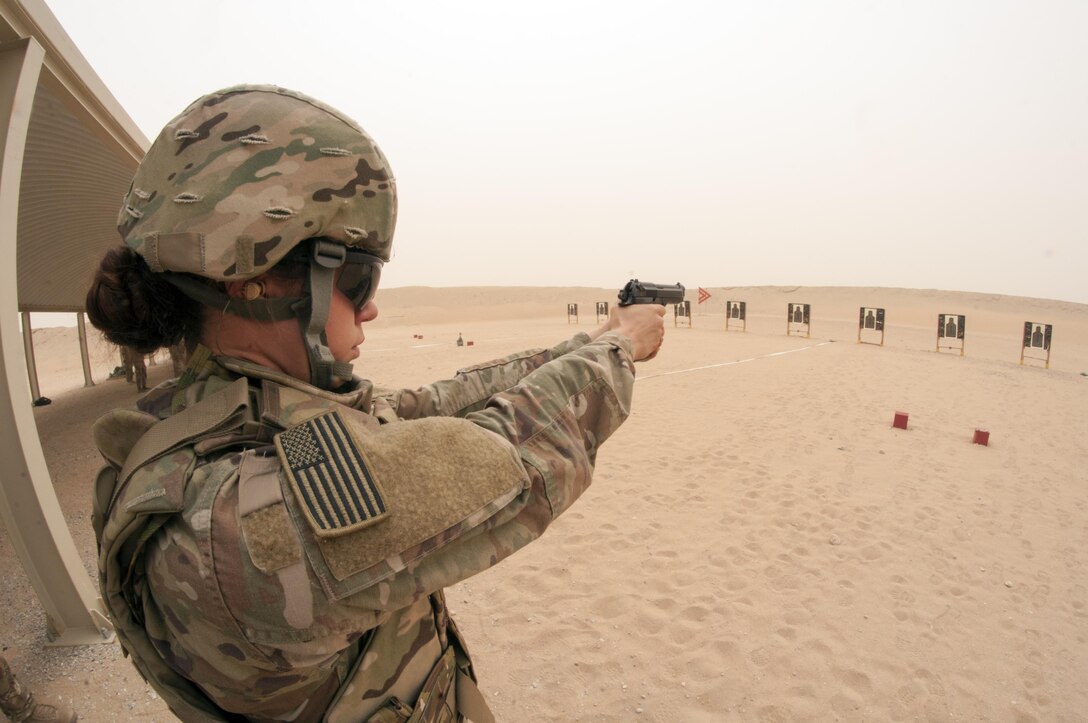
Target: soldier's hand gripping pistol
(641,292)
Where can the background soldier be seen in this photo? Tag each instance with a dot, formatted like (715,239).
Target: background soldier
(178,358)
(135,368)
(18,703)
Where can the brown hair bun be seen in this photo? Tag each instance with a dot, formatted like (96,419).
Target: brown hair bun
(134,307)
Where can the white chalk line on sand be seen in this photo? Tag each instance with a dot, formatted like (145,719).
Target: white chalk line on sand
(731,363)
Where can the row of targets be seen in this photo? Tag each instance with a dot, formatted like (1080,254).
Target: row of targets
(951,328)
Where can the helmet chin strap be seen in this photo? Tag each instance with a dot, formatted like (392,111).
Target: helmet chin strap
(311,310)
(325,371)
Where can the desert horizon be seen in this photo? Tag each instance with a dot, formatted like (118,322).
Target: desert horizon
(831,308)
(759,542)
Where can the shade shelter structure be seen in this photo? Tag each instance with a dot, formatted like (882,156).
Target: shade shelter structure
(67,154)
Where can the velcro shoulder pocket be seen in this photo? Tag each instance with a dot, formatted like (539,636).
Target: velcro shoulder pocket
(269,534)
(373,499)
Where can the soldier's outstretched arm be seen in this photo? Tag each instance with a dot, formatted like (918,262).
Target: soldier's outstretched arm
(471,387)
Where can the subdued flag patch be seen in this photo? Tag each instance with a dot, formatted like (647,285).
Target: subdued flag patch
(329,474)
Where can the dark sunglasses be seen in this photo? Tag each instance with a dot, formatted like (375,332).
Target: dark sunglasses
(359,277)
(357,272)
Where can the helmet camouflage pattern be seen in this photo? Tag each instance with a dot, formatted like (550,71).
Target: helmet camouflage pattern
(245,174)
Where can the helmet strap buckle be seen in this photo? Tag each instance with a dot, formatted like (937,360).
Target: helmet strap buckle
(325,371)
(328,254)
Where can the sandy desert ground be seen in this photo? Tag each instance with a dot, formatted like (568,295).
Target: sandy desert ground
(759,543)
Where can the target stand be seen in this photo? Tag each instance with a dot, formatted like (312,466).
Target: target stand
(602,310)
(1037,336)
(736,316)
(951,331)
(798,320)
(681,310)
(870,320)
(572,313)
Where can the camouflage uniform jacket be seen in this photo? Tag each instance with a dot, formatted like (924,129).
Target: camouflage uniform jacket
(240,598)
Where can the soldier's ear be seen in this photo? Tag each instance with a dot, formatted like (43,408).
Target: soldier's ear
(265,286)
(250,290)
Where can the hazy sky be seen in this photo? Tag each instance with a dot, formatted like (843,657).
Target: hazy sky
(917,144)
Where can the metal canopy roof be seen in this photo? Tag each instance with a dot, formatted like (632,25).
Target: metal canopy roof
(81,152)
(72,187)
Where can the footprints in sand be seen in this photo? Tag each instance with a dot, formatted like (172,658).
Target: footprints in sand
(761,656)
(786,633)
(734,583)
(749,577)
(1040,595)
(871,553)
(854,680)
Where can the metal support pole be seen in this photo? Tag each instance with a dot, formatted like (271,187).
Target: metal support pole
(28,351)
(28,502)
(81,324)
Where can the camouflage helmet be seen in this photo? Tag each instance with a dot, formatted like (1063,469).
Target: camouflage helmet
(245,174)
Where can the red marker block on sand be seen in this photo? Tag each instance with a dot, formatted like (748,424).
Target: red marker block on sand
(469,343)
(982,437)
(900,420)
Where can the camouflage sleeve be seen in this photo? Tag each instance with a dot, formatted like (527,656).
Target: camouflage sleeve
(470,389)
(555,418)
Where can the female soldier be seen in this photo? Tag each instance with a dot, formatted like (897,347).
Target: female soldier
(275,533)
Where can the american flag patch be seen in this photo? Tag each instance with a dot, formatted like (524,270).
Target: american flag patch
(331,479)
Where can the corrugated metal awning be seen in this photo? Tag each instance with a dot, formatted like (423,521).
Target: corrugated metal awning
(81,152)
(72,186)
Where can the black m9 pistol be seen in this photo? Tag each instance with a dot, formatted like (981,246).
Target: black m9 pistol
(641,292)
